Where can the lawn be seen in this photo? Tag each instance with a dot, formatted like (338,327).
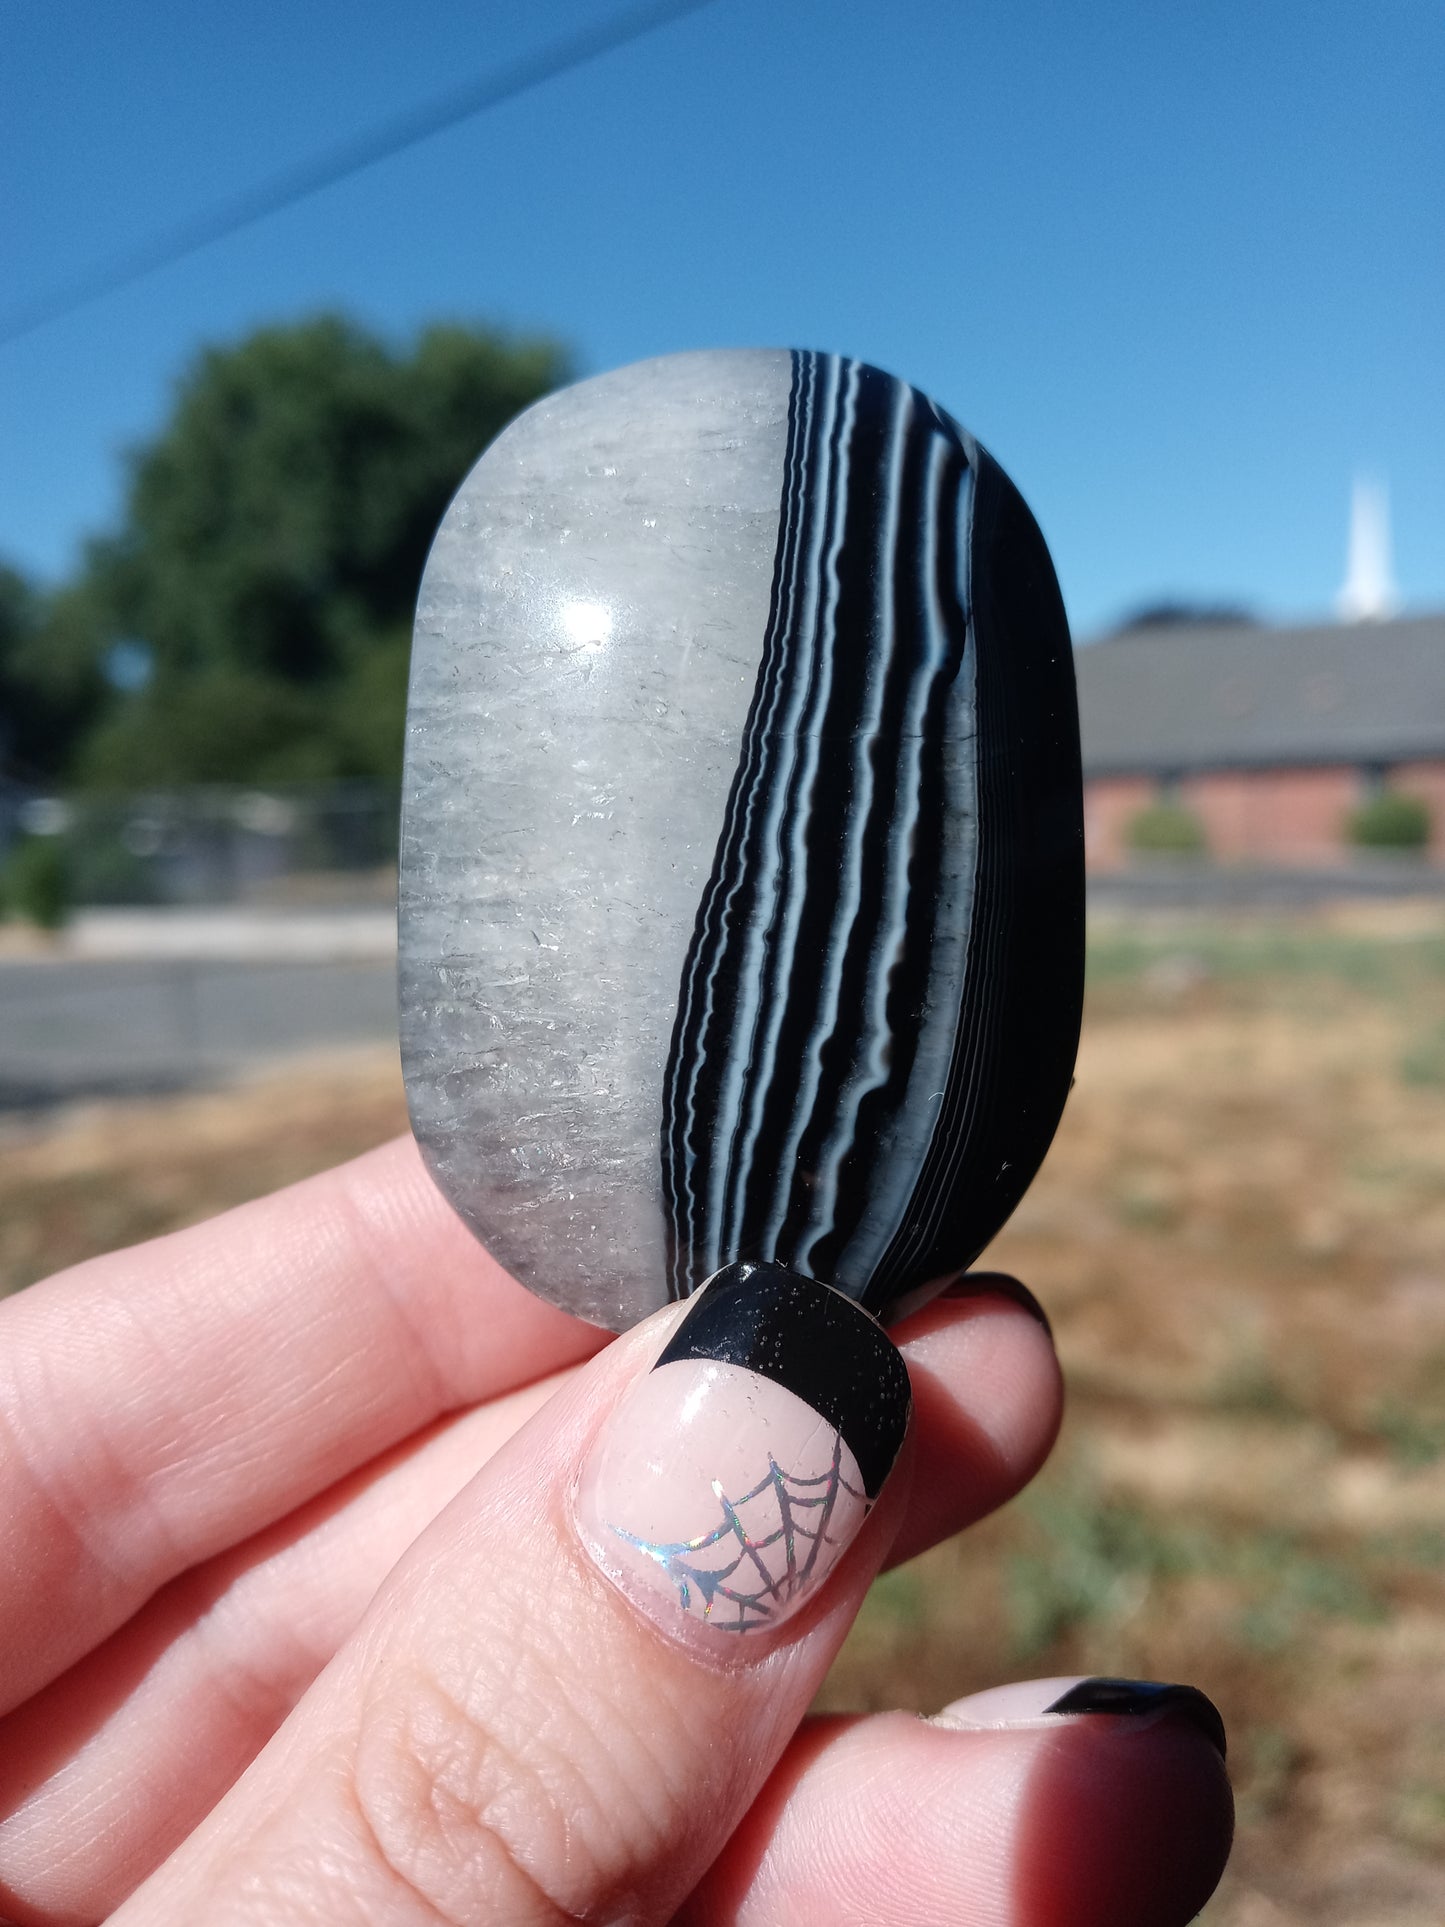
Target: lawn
(1240,1237)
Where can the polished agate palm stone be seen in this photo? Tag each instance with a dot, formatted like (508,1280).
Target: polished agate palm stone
(741,883)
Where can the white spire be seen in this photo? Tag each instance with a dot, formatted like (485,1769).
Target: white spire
(1369,593)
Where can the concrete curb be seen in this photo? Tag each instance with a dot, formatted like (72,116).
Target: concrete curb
(227,934)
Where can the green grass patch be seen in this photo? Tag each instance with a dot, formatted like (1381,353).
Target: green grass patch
(1290,1586)
(1252,1386)
(899,1598)
(1415,1437)
(1423,1062)
(1091,1561)
(1258,952)
(1418,1548)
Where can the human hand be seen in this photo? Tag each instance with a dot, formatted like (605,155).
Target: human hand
(302,1621)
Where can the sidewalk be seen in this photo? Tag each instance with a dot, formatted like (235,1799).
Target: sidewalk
(225,933)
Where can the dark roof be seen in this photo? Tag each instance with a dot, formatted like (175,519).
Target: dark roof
(1234,696)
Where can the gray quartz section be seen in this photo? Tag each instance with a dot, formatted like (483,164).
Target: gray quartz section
(587,643)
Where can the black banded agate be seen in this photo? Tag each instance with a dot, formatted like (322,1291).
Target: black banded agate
(742,890)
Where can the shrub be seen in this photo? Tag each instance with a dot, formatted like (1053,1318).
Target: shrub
(1391,821)
(1166,829)
(103,870)
(37,881)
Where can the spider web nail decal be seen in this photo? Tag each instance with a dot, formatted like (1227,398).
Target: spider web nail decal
(766,1549)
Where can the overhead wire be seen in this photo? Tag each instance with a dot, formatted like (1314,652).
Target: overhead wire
(327,169)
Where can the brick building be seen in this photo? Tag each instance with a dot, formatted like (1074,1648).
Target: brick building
(1270,738)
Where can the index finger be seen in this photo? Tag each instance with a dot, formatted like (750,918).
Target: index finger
(159,1405)
(571,1687)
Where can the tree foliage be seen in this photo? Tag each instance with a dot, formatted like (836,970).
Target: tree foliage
(269,557)
(51,689)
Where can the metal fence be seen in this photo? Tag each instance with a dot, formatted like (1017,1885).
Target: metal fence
(216,844)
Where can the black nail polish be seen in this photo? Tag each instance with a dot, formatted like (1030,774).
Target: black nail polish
(1137,1696)
(815,1342)
(1000,1284)
(730,1479)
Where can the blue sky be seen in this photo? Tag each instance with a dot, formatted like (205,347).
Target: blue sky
(1182,268)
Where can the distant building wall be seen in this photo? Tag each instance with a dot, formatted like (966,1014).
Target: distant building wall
(1294,816)
(1110,802)
(1271,736)
(1278,818)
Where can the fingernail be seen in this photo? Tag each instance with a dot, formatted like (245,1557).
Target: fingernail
(732,1476)
(999,1284)
(1034,1702)
(1138,1697)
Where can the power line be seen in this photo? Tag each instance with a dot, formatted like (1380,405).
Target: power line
(338,163)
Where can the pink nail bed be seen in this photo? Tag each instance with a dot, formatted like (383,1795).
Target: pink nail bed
(733,1475)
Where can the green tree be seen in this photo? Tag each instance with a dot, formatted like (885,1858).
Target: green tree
(19,619)
(51,688)
(274,538)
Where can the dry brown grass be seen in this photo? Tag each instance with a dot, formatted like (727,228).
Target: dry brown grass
(93,1177)
(1240,1236)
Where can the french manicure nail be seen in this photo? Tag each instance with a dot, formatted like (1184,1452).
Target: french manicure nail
(733,1474)
(1035,1701)
(1000,1284)
(1136,1697)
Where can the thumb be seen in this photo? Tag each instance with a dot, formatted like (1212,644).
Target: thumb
(568,1694)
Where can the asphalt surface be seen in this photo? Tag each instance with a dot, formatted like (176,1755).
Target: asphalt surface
(125,1027)
(1188,885)
(147,1001)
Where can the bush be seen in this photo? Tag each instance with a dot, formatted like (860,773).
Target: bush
(1166,829)
(103,870)
(1391,821)
(37,882)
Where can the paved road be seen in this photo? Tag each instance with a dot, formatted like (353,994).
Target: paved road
(1200,886)
(119,1027)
